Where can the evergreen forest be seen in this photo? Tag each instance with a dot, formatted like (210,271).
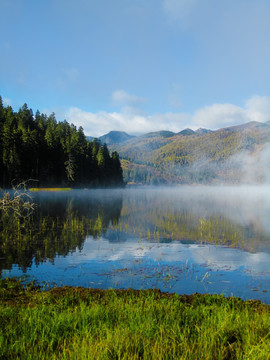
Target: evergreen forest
(53,153)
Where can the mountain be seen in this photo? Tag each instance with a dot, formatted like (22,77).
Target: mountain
(162,133)
(139,149)
(115,137)
(228,155)
(248,126)
(186,132)
(202,131)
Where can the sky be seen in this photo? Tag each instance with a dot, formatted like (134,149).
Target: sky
(137,65)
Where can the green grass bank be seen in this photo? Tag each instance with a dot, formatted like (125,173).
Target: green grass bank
(79,323)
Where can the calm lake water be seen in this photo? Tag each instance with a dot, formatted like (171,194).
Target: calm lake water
(183,239)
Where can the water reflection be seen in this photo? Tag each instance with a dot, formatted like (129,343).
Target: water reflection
(234,216)
(182,239)
(59,225)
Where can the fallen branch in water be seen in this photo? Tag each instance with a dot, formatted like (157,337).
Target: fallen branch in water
(19,203)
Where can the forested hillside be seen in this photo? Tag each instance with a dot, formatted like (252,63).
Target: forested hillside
(51,152)
(231,155)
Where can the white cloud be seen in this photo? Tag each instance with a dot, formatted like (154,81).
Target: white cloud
(100,123)
(134,121)
(130,118)
(219,115)
(257,108)
(121,97)
(170,121)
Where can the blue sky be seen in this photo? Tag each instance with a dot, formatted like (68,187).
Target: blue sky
(138,65)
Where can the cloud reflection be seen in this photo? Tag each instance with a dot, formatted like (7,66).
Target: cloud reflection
(211,256)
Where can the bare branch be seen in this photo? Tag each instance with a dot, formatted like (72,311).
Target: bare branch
(20,203)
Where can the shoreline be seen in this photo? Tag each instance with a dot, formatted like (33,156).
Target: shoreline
(84,323)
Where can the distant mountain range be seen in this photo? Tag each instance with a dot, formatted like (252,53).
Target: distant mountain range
(115,137)
(230,155)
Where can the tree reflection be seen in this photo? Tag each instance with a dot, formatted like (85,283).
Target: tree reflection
(59,226)
(62,221)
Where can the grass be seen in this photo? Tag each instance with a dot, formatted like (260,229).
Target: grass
(50,189)
(78,323)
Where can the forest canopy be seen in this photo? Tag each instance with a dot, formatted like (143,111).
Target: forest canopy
(55,153)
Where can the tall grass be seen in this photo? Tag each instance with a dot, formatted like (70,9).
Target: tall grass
(77,323)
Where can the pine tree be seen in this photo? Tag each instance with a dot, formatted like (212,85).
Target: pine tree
(55,153)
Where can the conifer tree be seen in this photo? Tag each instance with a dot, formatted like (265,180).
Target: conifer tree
(52,152)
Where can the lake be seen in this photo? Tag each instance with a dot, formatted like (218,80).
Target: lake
(182,239)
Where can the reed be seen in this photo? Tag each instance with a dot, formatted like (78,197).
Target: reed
(78,323)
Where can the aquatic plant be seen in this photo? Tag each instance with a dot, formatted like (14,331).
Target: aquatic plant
(50,189)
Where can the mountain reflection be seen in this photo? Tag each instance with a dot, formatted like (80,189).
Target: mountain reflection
(235,217)
(231,216)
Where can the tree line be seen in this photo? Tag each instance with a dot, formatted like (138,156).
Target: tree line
(53,152)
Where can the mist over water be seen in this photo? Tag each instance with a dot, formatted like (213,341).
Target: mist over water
(246,163)
(181,239)
(244,205)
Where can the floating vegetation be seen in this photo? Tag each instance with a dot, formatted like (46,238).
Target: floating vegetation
(49,189)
